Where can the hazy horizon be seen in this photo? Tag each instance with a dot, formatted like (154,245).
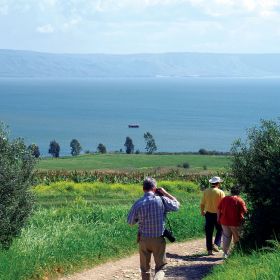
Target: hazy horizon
(143,53)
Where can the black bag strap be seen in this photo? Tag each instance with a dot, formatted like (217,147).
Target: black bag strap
(168,222)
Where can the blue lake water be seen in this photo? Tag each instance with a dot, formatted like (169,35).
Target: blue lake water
(182,114)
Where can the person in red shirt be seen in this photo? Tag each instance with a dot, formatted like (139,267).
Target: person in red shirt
(230,215)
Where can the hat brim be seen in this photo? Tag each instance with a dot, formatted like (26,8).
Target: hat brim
(215,182)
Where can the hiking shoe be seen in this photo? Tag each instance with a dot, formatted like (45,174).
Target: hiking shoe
(215,248)
(159,275)
(210,253)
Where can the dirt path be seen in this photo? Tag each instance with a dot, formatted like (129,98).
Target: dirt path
(185,261)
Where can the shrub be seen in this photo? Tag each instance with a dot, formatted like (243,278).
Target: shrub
(203,152)
(16,166)
(186,165)
(256,167)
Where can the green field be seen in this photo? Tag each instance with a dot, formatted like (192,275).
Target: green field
(127,161)
(78,225)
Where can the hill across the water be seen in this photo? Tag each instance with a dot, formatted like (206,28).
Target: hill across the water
(21,64)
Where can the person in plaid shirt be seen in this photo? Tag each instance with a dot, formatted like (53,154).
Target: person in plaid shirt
(149,213)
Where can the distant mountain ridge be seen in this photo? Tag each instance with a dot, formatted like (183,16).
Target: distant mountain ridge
(20,64)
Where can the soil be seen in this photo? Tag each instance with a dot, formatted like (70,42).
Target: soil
(187,260)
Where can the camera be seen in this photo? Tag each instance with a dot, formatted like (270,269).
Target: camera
(157,192)
(169,235)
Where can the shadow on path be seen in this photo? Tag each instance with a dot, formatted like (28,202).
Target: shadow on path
(193,267)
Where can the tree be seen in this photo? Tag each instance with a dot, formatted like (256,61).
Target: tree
(256,168)
(129,146)
(34,149)
(54,149)
(16,171)
(75,147)
(203,152)
(150,143)
(101,149)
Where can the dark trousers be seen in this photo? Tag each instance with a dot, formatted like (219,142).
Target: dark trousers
(210,223)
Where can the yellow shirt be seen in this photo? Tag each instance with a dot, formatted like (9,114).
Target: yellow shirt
(211,199)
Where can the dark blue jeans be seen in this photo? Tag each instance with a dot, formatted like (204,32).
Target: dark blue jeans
(210,224)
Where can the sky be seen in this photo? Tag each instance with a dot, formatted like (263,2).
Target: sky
(141,26)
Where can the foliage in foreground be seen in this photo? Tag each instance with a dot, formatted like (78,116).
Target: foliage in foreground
(256,167)
(260,265)
(81,225)
(16,167)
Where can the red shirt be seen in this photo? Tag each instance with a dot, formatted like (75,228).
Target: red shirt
(232,209)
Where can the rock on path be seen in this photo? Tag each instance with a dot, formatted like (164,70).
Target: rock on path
(185,261)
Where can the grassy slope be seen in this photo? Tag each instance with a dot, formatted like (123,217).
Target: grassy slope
(123,161)
(81,225)
(255,266)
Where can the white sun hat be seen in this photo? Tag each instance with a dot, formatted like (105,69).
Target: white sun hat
(215,180)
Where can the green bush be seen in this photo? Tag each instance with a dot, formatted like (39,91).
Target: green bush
(16,166)
(256,168)
(186,165)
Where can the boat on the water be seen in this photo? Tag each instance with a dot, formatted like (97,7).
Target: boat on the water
(133,125)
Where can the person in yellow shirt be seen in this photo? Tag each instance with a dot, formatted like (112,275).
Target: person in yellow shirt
(209,207)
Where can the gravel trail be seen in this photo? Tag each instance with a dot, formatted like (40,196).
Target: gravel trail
(186,260)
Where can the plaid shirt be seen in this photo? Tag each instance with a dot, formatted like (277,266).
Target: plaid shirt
(149,213)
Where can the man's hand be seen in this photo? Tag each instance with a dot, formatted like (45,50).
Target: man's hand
(165,193)
(202,211)
(161,191)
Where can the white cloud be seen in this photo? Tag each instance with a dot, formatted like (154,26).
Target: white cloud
(212,8)
(50,2)
(48,28)
(257,8)
(70,24)
(47,3)
(146,25)
(250,5)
